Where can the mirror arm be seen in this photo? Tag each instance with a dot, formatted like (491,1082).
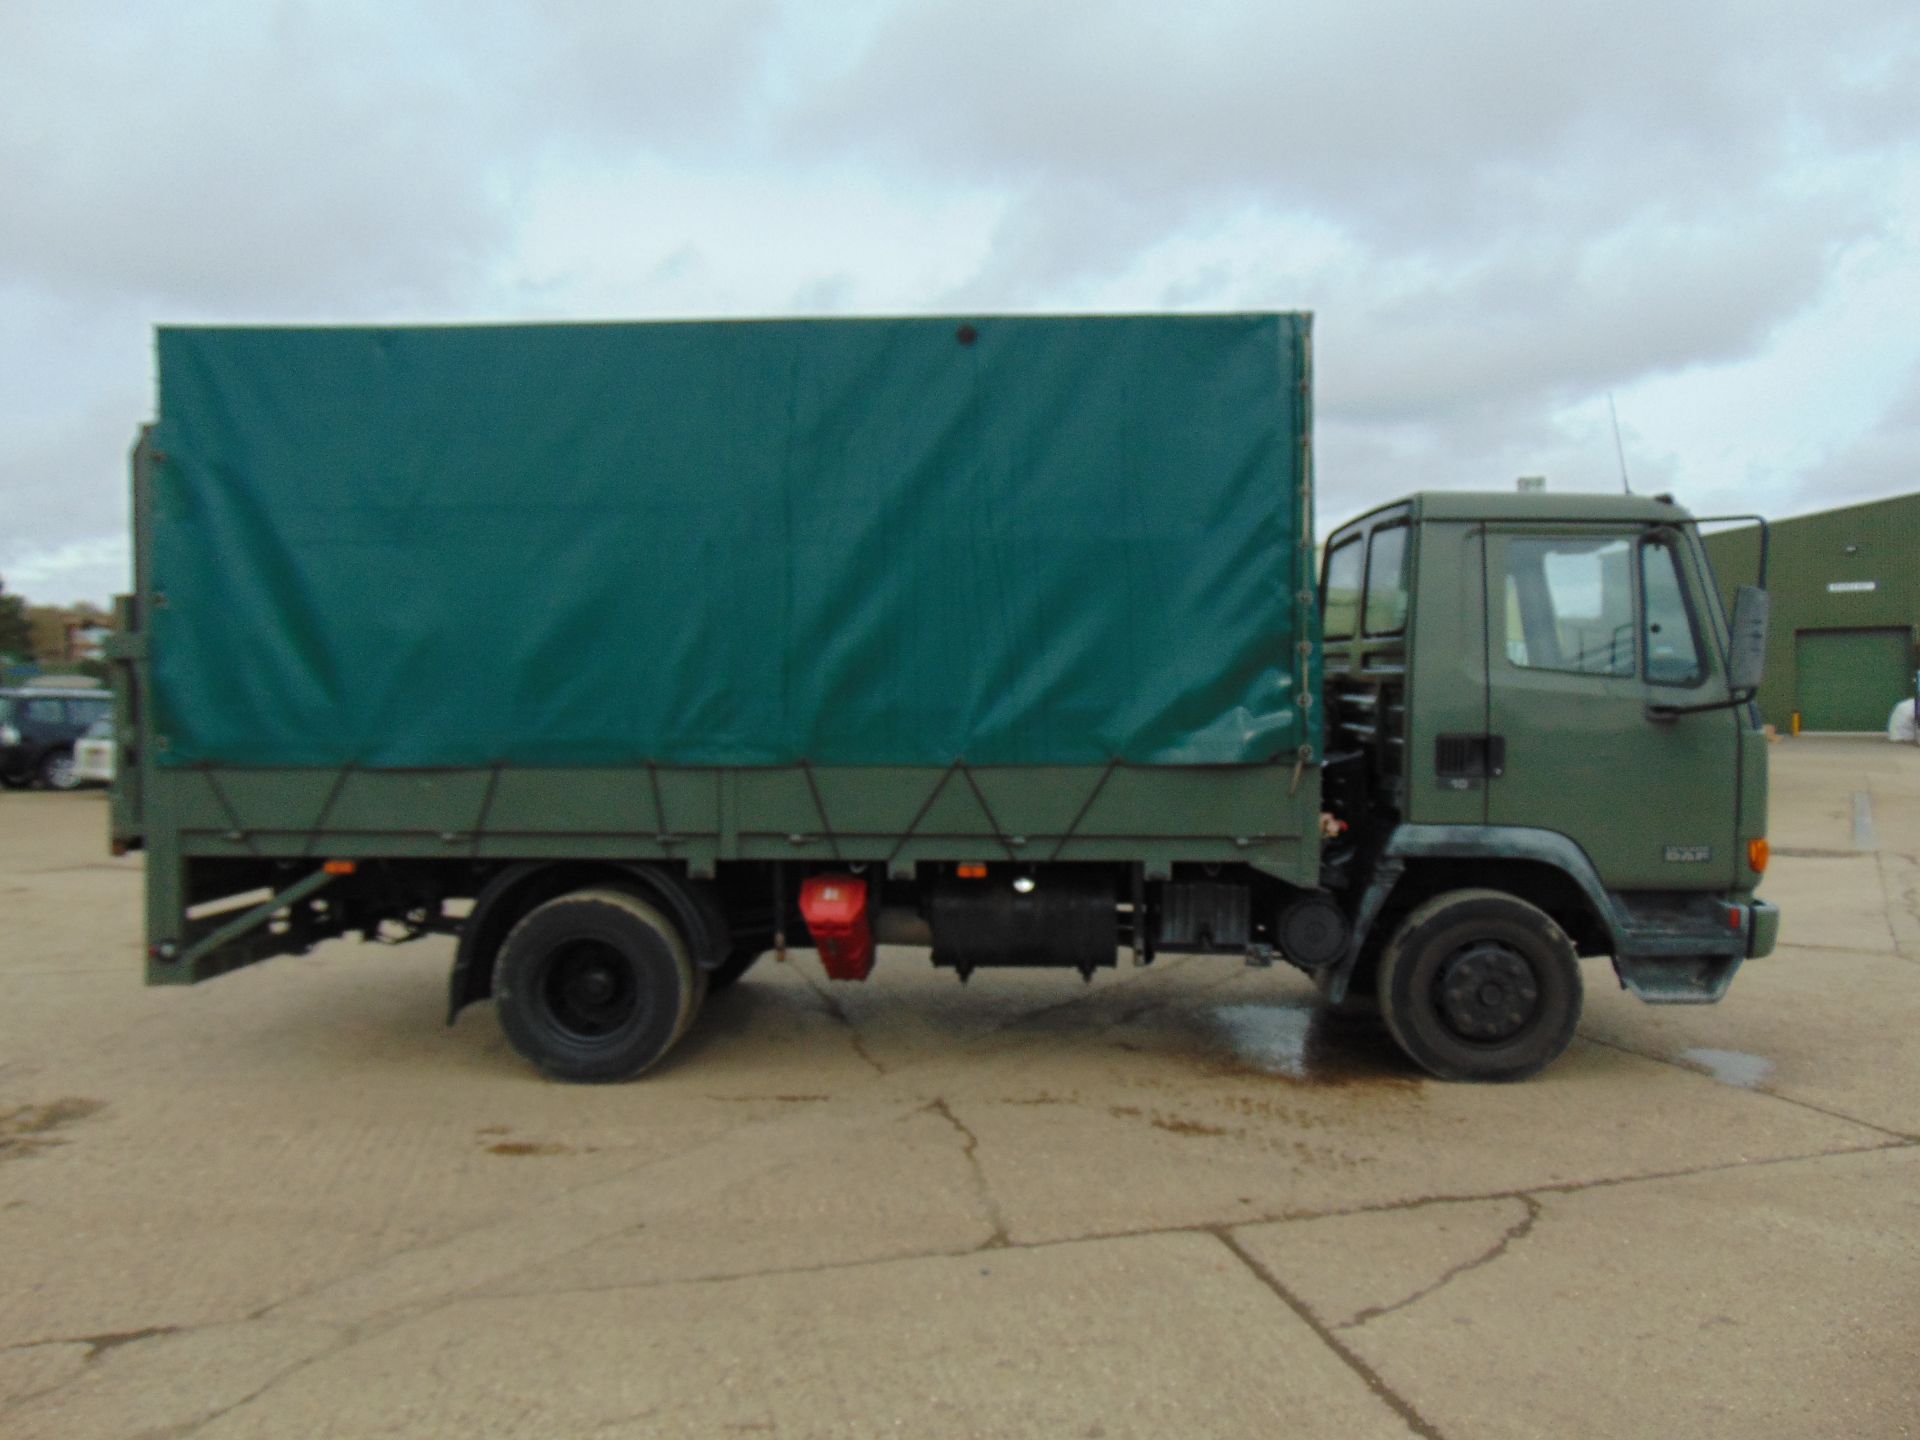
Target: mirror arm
(1674,712)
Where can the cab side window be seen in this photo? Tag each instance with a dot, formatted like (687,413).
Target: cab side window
(1386,608)
(1672,646)
(44,711)
(1569,605)
(1340,597)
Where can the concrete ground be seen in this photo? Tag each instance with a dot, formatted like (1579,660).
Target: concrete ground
(1176,1202)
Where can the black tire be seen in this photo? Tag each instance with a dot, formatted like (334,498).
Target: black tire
(740,959)
(595,986)
(1480,985)
(14,782)
(56,771)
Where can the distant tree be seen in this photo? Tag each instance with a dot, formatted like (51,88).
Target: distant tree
(16,635)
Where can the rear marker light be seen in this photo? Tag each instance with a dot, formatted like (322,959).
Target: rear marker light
(1758,854)
(341,867)
(972,872)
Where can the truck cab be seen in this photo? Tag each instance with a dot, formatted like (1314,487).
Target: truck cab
(1536,704)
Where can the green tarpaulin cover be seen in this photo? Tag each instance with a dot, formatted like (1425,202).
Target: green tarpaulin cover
(861,542)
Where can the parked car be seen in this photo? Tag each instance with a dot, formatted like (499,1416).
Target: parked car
(39,726)
(93,754)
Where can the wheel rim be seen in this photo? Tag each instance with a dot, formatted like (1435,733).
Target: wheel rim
(1486,993)
(589,989)
(60,773)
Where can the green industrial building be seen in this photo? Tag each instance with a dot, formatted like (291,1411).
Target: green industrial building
(1846,611)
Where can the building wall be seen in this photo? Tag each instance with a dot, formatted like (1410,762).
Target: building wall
(64,634)
(1876,544)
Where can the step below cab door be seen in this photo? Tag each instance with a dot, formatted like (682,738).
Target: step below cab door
(1589,629)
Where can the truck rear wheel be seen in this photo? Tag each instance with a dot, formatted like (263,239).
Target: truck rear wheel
(1480,985)
(595,986)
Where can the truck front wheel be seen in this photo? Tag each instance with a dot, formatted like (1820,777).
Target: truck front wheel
(595,986)
(1480,985)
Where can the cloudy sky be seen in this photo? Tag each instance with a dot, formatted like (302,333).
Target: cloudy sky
(1500,212)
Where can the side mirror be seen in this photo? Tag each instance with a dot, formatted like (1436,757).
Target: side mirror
(1747,642)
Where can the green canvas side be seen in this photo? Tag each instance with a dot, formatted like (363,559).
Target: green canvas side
(1022,541)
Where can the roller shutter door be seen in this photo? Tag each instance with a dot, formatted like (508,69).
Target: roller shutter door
(1850,679)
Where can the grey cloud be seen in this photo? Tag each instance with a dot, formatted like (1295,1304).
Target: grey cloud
(1552,321)
(602,73)
(1413,124)
(261,161)
(1534,203)
(1884,461)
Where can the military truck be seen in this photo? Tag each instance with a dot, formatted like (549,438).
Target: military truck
(629,653)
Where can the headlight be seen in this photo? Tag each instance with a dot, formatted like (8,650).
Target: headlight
(9,735)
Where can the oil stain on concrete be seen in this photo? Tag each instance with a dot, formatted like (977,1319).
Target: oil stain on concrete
(28,1129)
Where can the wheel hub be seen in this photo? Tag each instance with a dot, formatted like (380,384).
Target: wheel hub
(589,988)
(593,985)
(1487,993)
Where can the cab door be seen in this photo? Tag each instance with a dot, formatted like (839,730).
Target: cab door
(1590,630)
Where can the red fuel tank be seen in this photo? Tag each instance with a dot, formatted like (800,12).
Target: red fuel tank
(835,909)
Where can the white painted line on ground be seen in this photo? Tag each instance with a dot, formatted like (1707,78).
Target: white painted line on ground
(1864,837)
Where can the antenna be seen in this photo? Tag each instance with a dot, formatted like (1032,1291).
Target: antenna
(1618,448)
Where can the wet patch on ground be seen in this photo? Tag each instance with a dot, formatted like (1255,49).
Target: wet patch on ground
(29,1129)
(1730,1067)
(1301,1043)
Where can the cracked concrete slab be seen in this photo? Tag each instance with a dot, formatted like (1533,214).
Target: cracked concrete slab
(1774,1300)
(1146,1337)
(1795,1025)
(1828,901)
(1363,1270)
(29,1369)
(166,1384)
(1156,1142)
(885,1191)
